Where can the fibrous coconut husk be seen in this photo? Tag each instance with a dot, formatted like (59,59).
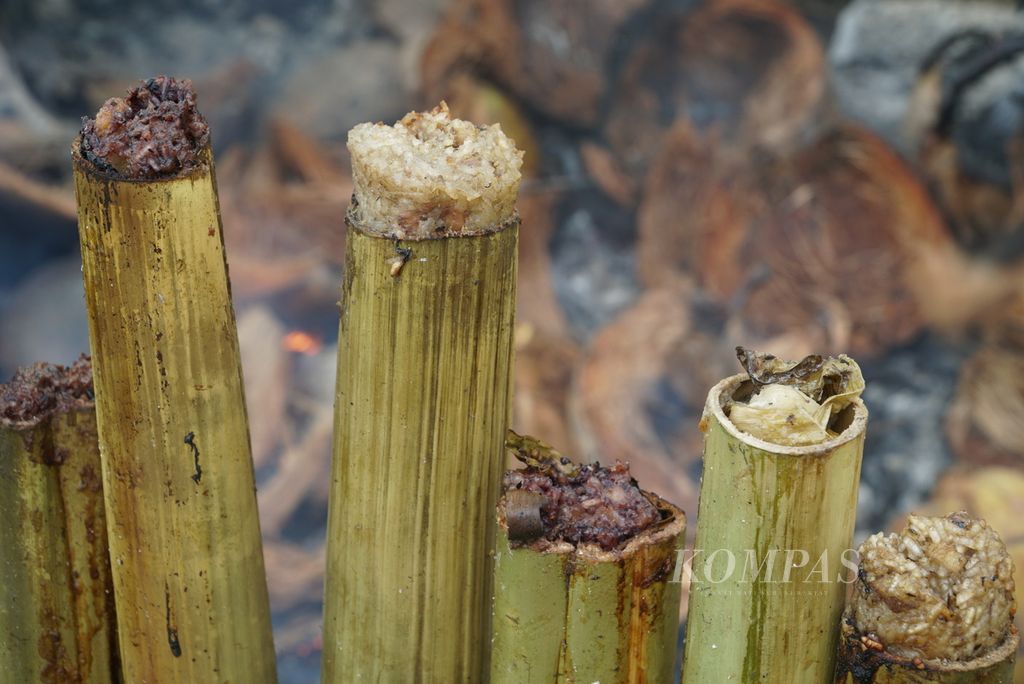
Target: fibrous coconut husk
(966,123)
(694,215)
(985,423)
(751,70)
(544,370)
(641,390)
(592,250)
(536,301)
(295,575)
(19,187)
(267,374)
(604,169)
(300,466)
(281,204)
(552,54)
(838,241)
(546,355)
(641,387)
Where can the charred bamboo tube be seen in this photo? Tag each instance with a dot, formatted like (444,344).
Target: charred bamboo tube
(580,612)
(772,549)
(57,619)
(934,603)
(178,477)
(861,662)
(423,401)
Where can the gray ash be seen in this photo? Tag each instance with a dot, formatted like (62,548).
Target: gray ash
(154,132)
(908,393)
(43,389)
(598,505)
(592,252)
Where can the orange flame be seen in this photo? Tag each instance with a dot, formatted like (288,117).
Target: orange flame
(301,342)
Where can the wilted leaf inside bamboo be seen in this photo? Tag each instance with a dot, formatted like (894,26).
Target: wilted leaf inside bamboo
(794,404)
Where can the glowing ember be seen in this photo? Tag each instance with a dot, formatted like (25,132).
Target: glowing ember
(301,342)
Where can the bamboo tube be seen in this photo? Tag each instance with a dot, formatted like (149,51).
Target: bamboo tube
(178,476)
(568,612)
(422,406)
(765,506)
(56,600)
(933,603)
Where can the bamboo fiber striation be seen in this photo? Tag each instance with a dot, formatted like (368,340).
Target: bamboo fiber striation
(177,470)
(422,407)
(765,506)
(568,614)
(56,602)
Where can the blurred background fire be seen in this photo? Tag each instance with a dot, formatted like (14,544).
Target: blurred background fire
(793,177)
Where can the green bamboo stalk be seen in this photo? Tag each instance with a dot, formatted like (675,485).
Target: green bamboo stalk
(177,469)
(568,614)
(770,504)
(57,619)
(859,663)
(422,406)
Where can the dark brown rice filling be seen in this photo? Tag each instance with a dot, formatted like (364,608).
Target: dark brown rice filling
(598,505)
(154,132)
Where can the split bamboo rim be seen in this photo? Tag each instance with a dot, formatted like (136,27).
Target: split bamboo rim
(666,530)
(577,613)
(850,423)
(859,664)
